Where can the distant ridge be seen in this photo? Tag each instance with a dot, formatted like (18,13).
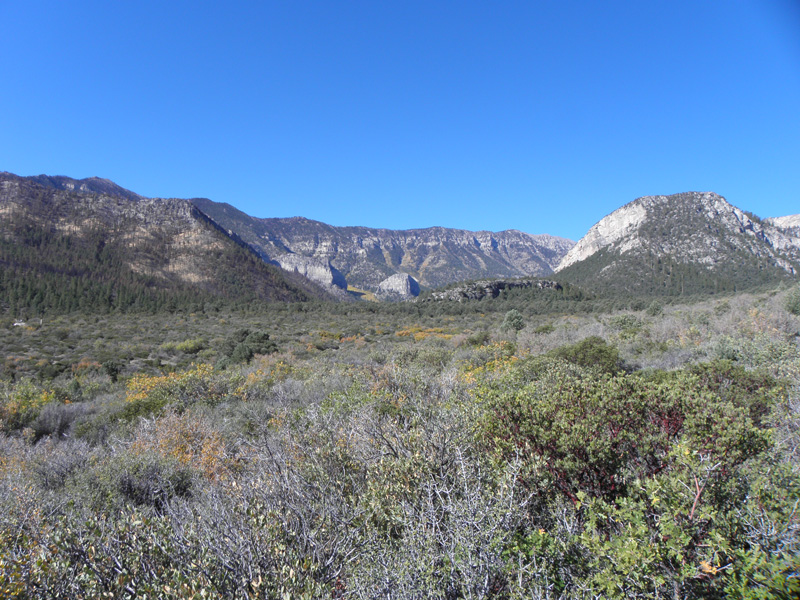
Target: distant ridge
(366,257)
(92,185)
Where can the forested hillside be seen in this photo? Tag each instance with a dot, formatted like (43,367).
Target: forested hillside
(64,250)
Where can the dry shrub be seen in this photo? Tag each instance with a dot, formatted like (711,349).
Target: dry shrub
(191,440)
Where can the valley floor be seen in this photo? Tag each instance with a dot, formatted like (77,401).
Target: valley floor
(485,450)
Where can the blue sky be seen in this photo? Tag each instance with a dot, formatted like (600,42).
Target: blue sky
(537,116)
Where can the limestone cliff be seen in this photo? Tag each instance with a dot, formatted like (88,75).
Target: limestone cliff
(399,286)
(318,271)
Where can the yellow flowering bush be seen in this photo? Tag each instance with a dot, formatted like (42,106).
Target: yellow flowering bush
(20,404)
(150,393)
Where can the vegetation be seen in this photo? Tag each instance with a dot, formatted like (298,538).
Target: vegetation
(537,445)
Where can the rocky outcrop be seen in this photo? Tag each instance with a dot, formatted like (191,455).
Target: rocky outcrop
(316,270)
(787,222)
(618,227)
(478,290)
(435,256)
(399,286)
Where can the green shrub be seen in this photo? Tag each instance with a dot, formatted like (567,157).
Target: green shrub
(513,321)
(655,309)
(242,345)
(593,352)
(667,472)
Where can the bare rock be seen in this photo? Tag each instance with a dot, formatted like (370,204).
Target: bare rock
(319,271)
(399,286)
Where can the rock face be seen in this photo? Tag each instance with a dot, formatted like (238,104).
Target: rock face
(399,286)
(659,244)
(316,270)
(434,257)
(478,290)
(618,227)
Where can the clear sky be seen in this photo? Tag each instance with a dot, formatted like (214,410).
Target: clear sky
(542,116)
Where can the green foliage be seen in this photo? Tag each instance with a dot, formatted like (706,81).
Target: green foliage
(479,338)
(546,328)
(593,352)
(21,404)
(112,368)
(242,345)
(658,467)
(655,309)
(513,321)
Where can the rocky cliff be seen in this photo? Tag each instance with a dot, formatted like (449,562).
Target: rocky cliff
(365,256)
(695,241)
(321,272)
(90,185)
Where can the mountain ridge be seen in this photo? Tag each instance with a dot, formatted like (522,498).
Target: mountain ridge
(367,256)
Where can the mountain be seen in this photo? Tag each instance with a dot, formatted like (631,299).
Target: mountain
(694,242)
(67,244)
(365,256)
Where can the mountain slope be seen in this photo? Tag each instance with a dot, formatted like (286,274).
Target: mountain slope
(62,249)
(366,256)
(694,242)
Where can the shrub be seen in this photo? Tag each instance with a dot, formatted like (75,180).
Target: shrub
(513,321)
(150,479)
(56,419)
(669,473)
(21,404)
(148,394)
(593,352)
(655,309)
(242,345)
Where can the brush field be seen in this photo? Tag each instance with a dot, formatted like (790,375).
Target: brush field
(525,447)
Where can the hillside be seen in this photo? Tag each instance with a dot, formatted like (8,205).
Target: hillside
(681,244)
(365,257)
(62,249)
